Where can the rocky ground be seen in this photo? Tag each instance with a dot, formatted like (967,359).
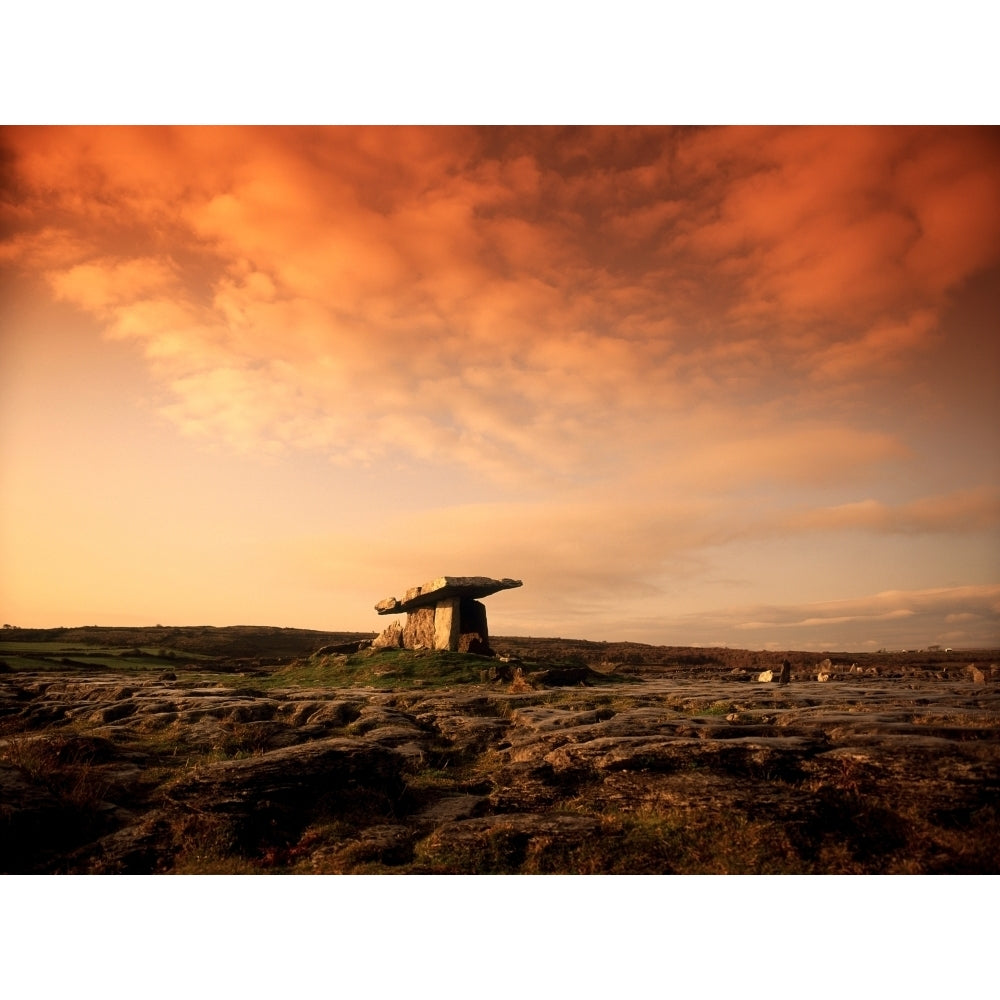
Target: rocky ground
(625,768)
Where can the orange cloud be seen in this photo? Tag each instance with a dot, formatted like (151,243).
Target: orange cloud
(806,454)
(887,606)
(963,511)
(100,285)
(534,301)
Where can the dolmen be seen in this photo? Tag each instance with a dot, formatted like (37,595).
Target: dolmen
(444,613)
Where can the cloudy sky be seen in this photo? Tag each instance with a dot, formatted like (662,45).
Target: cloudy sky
(693,386)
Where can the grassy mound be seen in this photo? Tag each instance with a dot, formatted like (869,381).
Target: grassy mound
(408,668)
(388,668)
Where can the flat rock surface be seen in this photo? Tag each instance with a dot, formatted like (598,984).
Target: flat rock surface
(689,772)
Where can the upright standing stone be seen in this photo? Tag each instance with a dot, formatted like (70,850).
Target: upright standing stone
(474,636)
(418,632)
(447,619)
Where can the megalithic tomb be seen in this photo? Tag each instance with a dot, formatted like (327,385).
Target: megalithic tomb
(444,613)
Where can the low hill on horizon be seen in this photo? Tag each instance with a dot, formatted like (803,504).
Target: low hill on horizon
(273,644)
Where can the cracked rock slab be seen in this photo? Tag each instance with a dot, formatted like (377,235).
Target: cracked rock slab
(444,588)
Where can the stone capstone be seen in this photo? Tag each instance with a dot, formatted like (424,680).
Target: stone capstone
(442,588)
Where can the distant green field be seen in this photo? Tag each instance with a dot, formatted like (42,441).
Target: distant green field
(50,655)
(37,647)
(189,643)
(157,649)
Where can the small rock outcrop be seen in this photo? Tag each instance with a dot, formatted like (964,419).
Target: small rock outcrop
(390,638)
(443,613)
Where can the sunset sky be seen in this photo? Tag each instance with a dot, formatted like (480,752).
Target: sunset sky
(724,386)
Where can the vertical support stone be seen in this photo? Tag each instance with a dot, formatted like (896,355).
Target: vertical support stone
(446,624)
(418,633)
(474,636)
